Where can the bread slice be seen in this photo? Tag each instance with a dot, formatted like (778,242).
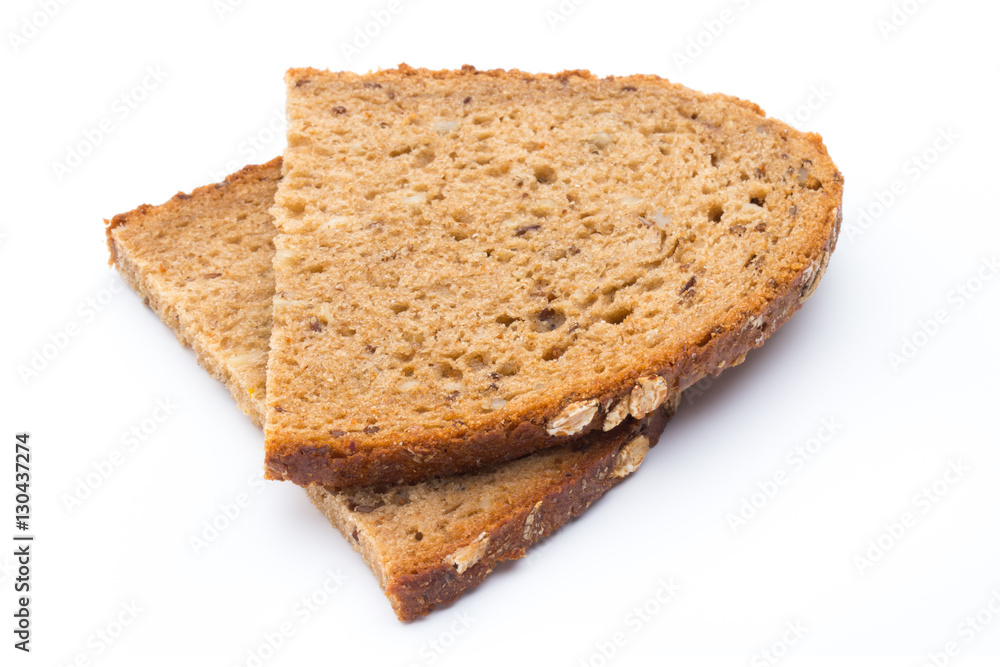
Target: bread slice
(430,541)
(474,264)
(203,262)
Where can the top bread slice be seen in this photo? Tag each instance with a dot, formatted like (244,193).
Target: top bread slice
(203,262)
(474,265)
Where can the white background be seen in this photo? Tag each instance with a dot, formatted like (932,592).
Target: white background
(880,97)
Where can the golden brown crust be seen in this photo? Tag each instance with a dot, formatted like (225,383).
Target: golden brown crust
(361,458)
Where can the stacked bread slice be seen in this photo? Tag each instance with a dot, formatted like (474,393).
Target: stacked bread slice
(475,265)
(465,303)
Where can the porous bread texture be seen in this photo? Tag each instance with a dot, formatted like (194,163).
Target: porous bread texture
(203,264)
(472,264)
(202,261)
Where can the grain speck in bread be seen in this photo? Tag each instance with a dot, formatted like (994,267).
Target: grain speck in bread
(203,264)
(473,265)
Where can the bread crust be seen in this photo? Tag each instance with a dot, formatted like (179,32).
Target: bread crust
(393,458)
(416,594)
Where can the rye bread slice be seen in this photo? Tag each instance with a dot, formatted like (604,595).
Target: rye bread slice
(203,262)
(473,265)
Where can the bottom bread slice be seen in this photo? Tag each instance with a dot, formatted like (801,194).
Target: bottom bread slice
(203,263)
(429,542)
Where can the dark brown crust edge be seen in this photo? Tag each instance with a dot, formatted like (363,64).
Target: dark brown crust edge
(306,463)
(416,595)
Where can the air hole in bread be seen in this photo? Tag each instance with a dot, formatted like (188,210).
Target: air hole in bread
(553,353)
(547,319)
(509,367)
(424,158)
(616,315)
(506,319)
(446,370)
(545,173)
